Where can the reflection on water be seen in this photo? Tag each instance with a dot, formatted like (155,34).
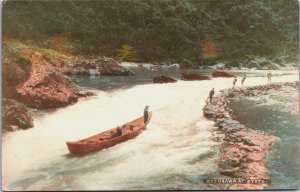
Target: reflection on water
(283,160)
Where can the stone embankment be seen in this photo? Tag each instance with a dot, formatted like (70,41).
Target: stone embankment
(243,149)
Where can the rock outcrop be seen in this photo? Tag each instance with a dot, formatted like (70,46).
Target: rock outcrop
(37,81)
(14,73)
(243,149)
(15,115)
(163,79)
(95,66)
(218,73)
(194,76)
(47,88)
(262,64)
(243,155)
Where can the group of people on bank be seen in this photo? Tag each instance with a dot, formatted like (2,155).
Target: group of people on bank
(242,81)
(212,92)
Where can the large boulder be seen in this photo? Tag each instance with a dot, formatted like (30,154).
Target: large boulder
(252,64)
(194,76)
(163,79)
(218,73)
(232,63)
(262,64)
(267,65)
(278,60)
(15,115)
(47,88)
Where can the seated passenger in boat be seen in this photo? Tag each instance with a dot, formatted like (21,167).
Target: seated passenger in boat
(119,131)
(116,133)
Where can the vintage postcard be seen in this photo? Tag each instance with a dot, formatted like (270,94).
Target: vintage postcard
(150,95)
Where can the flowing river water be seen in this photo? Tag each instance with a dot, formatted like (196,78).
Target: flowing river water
(282,160)
(177,151)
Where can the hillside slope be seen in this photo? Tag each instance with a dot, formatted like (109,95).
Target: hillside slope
(159,31)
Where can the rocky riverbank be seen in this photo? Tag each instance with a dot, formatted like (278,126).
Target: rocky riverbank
(95,66)
(283,62)
(243,149)
(35,77)
(15,115)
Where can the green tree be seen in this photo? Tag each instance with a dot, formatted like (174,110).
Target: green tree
(126,53)
(160,30)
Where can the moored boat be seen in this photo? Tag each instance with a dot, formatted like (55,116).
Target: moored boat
(108,138)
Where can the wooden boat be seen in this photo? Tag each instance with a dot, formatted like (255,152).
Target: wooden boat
(108,138)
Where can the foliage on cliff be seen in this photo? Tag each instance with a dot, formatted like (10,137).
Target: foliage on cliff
(19,59)
(162,30)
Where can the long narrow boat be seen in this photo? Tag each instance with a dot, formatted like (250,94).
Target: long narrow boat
(108,138)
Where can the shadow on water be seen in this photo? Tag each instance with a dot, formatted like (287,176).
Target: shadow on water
(283,159)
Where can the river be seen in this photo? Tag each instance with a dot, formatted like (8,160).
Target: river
(282,160)
(177,150)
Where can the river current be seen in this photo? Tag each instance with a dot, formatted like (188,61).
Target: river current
(177,151)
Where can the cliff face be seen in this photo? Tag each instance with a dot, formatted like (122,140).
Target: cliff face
(47,88)
(35,76)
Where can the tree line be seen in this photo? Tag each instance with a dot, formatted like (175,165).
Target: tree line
(157,30)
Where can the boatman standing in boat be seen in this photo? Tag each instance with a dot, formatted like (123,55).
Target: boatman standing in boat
(146,114)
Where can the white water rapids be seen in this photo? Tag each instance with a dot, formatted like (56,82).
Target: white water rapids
(176,151)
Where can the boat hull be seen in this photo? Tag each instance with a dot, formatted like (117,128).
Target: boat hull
(93,144)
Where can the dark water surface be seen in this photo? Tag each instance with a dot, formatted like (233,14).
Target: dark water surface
(144,76)
(283,159)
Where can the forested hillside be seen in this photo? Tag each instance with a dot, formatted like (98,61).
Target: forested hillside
(157,30)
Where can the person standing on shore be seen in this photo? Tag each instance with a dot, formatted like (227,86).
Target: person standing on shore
(211,94)
(269,75)
(243,80)
(234,82)
(146,114)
